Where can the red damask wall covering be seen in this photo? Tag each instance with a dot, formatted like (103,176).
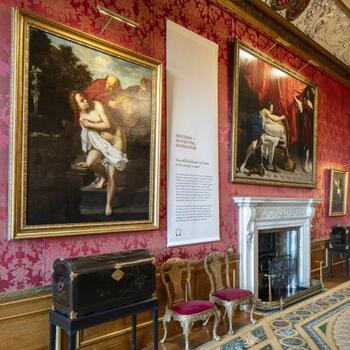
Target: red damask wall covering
(27,263)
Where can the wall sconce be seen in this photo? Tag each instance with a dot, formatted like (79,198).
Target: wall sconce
(279,41)
(314,63)
(282,42)
(104,11)
(309,62)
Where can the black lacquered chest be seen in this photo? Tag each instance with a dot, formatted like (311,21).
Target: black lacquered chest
(90,284)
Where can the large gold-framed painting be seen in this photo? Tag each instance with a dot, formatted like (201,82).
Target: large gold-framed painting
(274,122)
(85,133)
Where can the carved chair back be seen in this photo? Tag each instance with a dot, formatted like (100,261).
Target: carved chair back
(215,264)
(176,276)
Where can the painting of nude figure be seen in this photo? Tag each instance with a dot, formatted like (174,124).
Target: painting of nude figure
(90,119)
(274,123)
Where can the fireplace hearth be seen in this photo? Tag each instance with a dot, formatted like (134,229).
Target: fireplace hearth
(275,249)
(278,261)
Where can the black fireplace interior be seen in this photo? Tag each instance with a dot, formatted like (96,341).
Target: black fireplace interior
(278,264)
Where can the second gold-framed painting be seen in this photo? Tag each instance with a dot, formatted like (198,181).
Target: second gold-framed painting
(338,192)
(274,122)
(85,133)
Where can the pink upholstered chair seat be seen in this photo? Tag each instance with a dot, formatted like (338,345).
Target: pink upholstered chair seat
(192,307)
(230,294)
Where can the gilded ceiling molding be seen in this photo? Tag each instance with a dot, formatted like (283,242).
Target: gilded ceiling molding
(274,25)
(346,5)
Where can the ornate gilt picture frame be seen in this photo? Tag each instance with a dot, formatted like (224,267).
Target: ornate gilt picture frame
(85,133)
(274,123)
(338,192)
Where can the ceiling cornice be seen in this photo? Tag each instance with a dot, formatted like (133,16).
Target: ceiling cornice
(345,5)
(279,29)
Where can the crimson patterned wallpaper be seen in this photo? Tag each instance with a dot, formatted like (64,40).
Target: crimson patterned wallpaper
(27,263)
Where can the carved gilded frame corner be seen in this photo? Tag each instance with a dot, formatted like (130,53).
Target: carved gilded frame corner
(30,212)
(338,192)
(288,170)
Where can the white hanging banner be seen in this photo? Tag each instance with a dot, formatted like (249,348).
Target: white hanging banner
(192,140)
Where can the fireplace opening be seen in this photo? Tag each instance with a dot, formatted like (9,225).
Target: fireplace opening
(278,264)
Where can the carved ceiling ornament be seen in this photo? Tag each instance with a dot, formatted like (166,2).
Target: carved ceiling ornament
(262,16)
(294,8)
(324,21)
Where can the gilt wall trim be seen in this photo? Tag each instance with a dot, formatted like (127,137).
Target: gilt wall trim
(25,293)
(279,29)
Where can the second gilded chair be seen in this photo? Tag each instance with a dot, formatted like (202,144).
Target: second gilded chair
(176,276)
(216,265)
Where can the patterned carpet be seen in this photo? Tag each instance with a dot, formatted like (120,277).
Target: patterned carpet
(341,330)
(317,323)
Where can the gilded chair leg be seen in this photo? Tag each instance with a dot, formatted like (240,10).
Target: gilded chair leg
(186,326)
(166,319)
(216,322)
(230,312)
(252,309)
(206,321)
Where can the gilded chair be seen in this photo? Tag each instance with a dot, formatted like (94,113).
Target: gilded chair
(216,264)
(176,276)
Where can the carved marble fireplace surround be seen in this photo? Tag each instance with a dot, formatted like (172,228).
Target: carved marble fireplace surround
(263,213)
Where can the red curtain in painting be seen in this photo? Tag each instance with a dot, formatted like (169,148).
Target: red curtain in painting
(270,83)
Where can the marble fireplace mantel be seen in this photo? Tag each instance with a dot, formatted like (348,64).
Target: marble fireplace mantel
(263,213)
